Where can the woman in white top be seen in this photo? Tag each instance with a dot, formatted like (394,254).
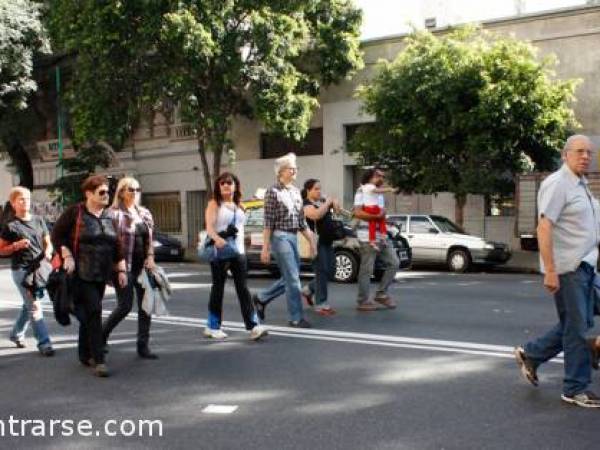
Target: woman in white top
(225,219)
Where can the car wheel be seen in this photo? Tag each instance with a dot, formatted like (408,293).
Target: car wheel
(459,261)
(346,267)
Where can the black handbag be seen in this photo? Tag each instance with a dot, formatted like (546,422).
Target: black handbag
(330,229)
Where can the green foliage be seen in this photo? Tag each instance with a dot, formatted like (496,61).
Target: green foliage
(464,113)
(21,36)
(77,169)
(216,59)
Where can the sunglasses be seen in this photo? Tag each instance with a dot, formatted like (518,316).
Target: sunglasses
(226,182)
(102,192)
(132,190)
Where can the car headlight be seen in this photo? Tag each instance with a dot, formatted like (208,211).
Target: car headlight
(156,244)
(489,246)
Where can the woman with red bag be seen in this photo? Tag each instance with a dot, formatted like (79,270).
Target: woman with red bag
(87,239)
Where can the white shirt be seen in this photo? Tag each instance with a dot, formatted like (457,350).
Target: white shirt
(362,231)
(225,215)
(370,198)
(565,200)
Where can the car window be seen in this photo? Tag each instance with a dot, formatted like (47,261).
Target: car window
(420,224)
(255,217)
(400,222)
(446,225)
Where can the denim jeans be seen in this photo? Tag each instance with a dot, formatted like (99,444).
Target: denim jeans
(367,263)
(284,247)
(323,265)
(574,304)
(28,314)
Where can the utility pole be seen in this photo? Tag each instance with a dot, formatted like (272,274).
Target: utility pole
(59,125)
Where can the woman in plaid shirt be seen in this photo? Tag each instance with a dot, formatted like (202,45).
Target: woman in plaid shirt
(134,226)
(284,218)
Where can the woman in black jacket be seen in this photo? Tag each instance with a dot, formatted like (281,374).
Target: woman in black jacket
(86,237)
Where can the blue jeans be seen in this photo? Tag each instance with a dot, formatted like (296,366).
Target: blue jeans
(31,311)
(323,266)
(284,247)
(574,305)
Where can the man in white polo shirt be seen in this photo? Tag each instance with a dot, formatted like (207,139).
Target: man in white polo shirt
(368,253)
(568,236)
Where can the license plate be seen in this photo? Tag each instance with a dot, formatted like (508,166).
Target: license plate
(174,251)
(403,255)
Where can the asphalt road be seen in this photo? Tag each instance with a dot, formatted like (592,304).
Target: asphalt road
(436,373)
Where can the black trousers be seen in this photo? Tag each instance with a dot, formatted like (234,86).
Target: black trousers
(124,305)
(88,310)
(219,276)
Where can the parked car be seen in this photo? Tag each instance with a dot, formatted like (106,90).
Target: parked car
(347,257)
(167,248)
(435,239)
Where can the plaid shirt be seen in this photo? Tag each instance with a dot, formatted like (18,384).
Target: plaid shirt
(284,208)
(126,228)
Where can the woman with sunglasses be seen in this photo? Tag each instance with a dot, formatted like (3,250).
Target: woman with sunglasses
(134,227)
(87,239)
(225,217)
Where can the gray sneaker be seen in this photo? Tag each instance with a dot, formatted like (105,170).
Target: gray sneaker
(527,368)
(585,399)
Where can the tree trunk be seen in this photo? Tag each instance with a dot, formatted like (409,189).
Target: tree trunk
(22,162)
(459,211)
(205,167)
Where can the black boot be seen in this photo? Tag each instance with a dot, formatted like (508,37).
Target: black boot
(145,353)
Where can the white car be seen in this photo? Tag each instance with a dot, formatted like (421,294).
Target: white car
(436,240)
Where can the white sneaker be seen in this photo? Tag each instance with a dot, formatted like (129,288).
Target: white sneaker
(257,332)
(214,334)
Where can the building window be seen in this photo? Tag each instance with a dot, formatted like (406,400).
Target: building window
(274,145)
(500,205)
(166,210)
(352,129)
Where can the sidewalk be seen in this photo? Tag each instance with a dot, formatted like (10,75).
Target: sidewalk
(523,261)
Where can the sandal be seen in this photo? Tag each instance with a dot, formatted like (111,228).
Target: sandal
(307,298)
(327,311)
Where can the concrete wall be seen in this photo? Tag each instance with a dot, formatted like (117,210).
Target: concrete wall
(5,182)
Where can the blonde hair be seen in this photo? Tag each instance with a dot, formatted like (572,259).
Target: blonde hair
(17,191)
(284,162)
(124,183)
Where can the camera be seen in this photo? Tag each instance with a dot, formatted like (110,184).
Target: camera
(230,232)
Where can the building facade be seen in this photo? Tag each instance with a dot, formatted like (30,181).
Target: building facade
(163,155)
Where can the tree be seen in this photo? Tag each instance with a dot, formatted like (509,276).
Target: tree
(77,169)
(464,113)
(216,60)
(22,36)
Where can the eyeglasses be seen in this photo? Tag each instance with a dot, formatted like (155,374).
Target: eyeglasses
(292,169)
(132,190)
(102,192)
(226,182)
